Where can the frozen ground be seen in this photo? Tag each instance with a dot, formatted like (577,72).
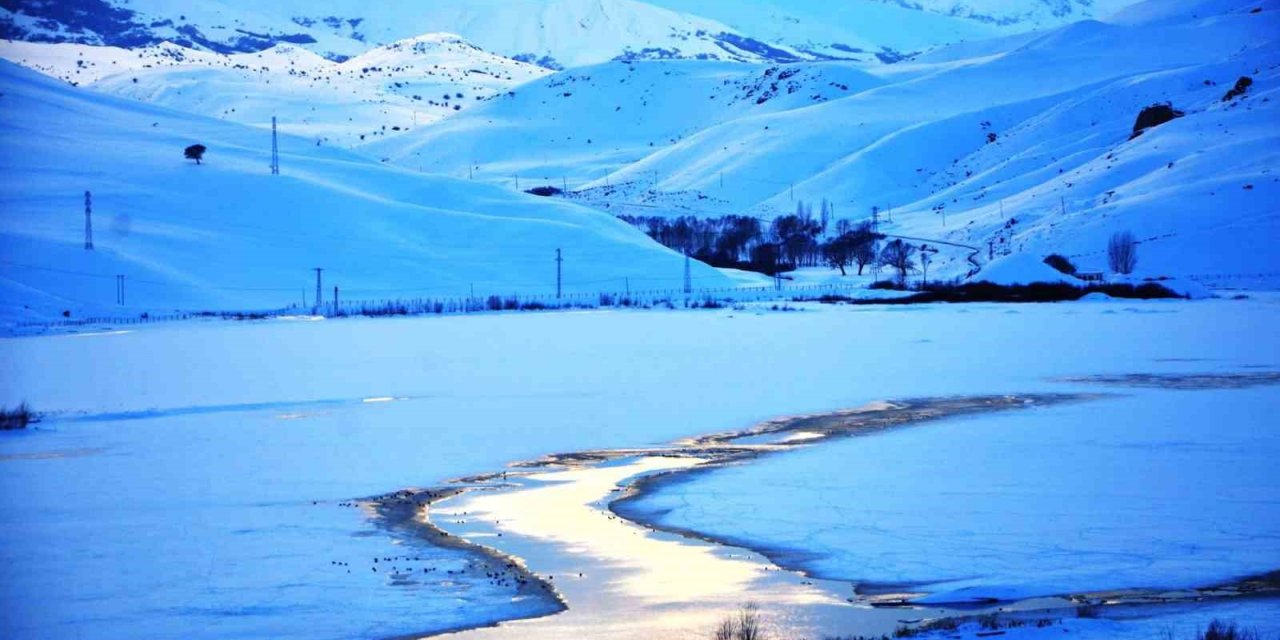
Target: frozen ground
(171,486)
(1158,489)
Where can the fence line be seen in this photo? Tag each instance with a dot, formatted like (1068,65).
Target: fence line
(484,303)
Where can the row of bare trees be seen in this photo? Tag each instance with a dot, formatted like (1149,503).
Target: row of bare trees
(801,239)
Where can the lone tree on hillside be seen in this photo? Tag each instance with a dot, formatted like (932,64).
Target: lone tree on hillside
(899,256)
(194,152)
(1122,252)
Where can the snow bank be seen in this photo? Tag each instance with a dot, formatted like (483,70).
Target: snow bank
(1023,268)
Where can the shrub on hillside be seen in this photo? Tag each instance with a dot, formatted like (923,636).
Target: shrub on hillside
(1061,263)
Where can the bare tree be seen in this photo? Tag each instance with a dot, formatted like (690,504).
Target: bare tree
(899,256)
(838,253)
(745,625)
(749,623)
(726,629)
(1122,253)
(864,253)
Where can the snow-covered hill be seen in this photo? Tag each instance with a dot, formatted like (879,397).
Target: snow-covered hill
(381,92)
(228,235)
(1030,147)
(1020,143)
(580,125)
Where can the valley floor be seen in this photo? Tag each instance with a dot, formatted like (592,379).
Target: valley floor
(206,478)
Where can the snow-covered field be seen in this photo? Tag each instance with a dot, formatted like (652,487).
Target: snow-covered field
(171,486)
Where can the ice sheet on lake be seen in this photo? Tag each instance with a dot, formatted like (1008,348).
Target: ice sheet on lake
(1160,489)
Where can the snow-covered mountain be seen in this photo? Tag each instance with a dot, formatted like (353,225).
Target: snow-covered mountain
(228,234)
(552,33)
(384,91)
(889,28)
(1014,144)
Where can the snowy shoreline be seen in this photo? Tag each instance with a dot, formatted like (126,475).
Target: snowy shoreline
(398,514)
(411,509)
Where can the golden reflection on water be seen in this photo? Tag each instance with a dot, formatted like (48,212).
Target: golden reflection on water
(622,580)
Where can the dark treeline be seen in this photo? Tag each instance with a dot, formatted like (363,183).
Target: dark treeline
(784,244)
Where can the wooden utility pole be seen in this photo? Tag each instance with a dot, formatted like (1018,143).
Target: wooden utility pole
(559,263)
(688,279)
(318,270)
(88,221)
(275,149)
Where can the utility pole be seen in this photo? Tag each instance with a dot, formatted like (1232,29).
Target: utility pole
(688,280)
(88,221)
(926,256)
(335,300)
(792,190)
(628,283)
(275,149)
(120,290)
(777,273)
(318,270)
(559,262)
(564,182)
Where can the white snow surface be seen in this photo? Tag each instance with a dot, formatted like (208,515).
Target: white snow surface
(193,510)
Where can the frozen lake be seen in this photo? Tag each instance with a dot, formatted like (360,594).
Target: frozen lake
(191,477)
